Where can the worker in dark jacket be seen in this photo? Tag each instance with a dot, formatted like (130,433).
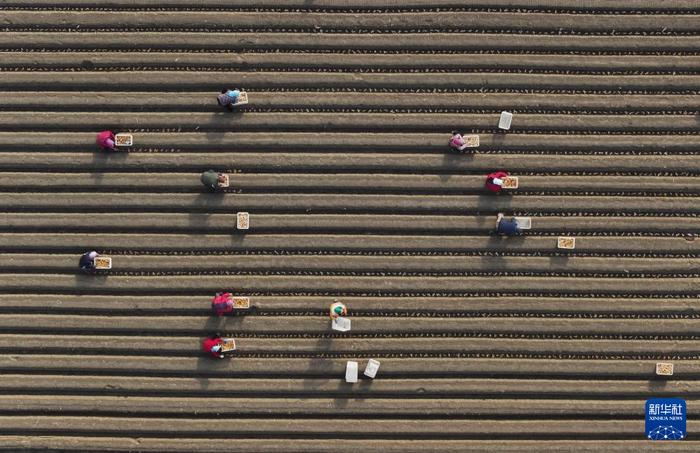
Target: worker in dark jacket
(506,227)
(213,180)
(87,261)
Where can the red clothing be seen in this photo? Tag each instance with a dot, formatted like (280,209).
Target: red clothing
(209,343)
(104,138)
(489,181)
(222,303)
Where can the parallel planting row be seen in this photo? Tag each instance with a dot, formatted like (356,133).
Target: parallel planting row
(341,159)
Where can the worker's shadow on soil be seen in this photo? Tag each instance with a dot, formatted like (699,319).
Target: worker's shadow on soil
(85,281)
(558,263)
(487,225)
(490,205)
(101,161)
(657,385)
(221,119)
(202,209)
(451,160)
(322,369)
(498,138)
(502,243)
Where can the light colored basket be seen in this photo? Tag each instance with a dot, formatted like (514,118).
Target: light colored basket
(102,262)
(229,345)
(241,302)
(341,324)
(565,242)
(372,368)
(510,182)
(524,223)
(242,98)
(242,220)
(506,119)
(123,140)
(351,372)
(664,369)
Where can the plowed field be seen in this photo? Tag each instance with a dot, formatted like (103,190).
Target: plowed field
(341,159)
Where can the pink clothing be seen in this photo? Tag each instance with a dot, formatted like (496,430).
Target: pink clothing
(489,181)
(457,141)
(105,139)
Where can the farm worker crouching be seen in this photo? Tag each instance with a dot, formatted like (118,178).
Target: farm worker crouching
(212,180)
(105,140)
(87,261)
(213,346)
(507,227)
(457,141)
(222,303)
(338,309)
(228,98)
(494,181)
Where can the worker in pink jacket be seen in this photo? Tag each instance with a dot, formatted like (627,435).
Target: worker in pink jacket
(457,141)
(105,140)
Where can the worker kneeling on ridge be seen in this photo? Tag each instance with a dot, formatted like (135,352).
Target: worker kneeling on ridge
(507,227)
(218,347)
(337,310)
(222,303)
(107,141)
(228,99)
(87,261)
(494,181)
(214,181)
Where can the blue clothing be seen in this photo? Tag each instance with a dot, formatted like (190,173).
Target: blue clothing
(228,98)
(508,227)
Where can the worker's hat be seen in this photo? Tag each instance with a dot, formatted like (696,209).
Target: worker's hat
(338,310)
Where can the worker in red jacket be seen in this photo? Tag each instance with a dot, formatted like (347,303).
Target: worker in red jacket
(106,140)
(222,303)
(213,346)
(494,181)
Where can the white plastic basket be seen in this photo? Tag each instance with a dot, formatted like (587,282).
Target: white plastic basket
(506,119)
(524,223)
(351,372)
(372,368)
(341,324)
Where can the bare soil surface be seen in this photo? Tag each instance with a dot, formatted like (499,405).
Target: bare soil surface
(341,160)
